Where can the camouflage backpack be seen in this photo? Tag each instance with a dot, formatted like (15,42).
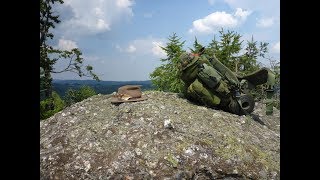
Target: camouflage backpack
(203,83)
(211,83)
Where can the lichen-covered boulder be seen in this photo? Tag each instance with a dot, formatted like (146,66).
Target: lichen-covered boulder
(163,137)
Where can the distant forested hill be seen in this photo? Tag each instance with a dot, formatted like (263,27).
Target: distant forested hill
(102,87)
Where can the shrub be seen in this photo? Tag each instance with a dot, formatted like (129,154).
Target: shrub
(74,96)
(50,106)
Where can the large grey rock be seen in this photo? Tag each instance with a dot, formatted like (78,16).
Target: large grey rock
(95,139)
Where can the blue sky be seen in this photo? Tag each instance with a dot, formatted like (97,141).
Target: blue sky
(121,38)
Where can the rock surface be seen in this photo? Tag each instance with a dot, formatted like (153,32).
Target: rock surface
(163,137)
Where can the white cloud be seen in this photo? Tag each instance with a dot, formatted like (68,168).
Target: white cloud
(265,22)
(98,12)
(276,47)
(216,20)
(265,8)
(242,14)
(131,49)
(211,2)
(95,16)
(124,3)
(101,25)
(65,44)
(145,46)
(157,50)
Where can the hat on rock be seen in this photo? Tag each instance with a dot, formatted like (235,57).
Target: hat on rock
(128,93)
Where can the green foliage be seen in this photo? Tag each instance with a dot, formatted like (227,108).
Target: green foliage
(275,67)
(50,106)
(49,56)
(248,62)
(75,62)
(197,46)
(228,48)
(259,92)
(167,76)
(74,96)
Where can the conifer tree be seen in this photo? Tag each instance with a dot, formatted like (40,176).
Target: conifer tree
(166,77)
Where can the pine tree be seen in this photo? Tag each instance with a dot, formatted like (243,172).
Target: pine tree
(227,49)
(167,76)
(248,61)
(196,46)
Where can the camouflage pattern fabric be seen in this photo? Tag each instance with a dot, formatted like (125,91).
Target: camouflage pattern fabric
(204,83)
(197,91)
(211,83)
(269,102)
